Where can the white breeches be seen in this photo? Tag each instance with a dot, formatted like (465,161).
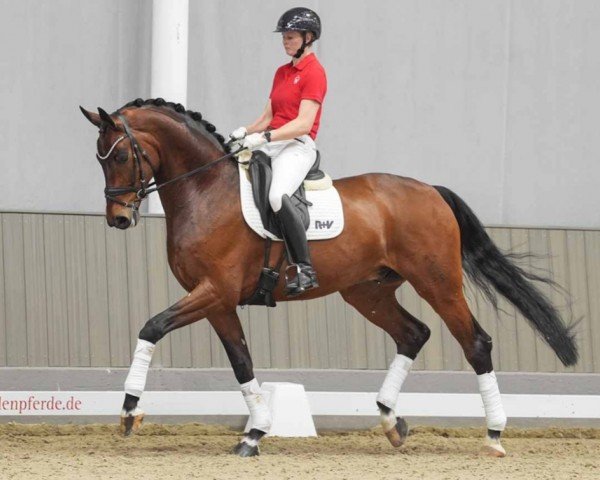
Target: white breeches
(290,160)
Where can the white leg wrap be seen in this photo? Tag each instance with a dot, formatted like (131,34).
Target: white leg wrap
(388,395)
(260,416)
(492,403)
(136,380)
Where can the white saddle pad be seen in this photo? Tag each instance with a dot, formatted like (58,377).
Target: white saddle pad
(326,213)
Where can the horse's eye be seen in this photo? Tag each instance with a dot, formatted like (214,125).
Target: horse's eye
(121,157)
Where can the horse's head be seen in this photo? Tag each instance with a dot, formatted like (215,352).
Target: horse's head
(126,161)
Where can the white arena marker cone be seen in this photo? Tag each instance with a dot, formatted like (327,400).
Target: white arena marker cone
(290,410)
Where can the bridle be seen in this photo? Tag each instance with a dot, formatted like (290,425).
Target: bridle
(143,189)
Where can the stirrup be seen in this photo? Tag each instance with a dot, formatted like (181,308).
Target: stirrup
(295,286)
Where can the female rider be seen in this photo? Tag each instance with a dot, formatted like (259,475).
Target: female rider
(286,131)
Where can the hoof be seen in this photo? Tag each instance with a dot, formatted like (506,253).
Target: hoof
(493,451)
(395,428)
(131,423)
(493,448)
(398,433)
(245,450)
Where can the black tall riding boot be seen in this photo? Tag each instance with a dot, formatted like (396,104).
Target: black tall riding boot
(294,236)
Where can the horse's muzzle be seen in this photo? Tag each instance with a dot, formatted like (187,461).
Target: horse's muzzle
(123,219)
(122,222)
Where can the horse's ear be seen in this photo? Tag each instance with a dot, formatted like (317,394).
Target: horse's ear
(105,117)
(92,117)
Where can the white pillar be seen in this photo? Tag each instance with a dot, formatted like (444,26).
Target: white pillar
(169,59)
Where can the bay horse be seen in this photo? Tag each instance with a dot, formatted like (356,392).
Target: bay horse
(396,230)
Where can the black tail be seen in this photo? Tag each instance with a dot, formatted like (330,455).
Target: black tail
(491,270)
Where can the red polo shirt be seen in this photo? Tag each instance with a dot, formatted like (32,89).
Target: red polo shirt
(293,83)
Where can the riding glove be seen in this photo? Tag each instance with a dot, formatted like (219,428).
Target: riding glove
(254,141)
(238,133)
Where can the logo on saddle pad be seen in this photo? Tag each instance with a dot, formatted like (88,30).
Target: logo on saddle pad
(325,224)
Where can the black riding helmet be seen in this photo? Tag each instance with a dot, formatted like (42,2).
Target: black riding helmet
(302,20)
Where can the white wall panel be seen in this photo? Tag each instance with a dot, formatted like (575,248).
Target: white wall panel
(111,292)
(496,99)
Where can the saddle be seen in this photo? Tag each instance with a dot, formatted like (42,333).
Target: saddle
(261,176)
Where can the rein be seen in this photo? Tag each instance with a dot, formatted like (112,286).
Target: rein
(110,193)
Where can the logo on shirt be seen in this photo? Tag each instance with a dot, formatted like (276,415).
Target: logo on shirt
(297,79)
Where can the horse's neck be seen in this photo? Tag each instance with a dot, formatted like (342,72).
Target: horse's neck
(200,195)
(182,152)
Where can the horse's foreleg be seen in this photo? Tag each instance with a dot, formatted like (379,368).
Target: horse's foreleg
(229,330)
(189,309)
(377,302)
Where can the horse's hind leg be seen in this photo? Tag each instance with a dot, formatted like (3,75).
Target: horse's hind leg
(377,302)
(447,299)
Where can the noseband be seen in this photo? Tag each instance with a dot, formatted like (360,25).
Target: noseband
(143,189)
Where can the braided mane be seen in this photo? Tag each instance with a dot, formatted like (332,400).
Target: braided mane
(179,108)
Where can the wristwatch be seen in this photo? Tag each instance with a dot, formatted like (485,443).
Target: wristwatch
(267,135)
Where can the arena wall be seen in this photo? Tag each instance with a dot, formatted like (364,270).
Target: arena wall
(75,293)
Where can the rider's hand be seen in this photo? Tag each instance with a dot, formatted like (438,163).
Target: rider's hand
(254,141)
(238,133)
